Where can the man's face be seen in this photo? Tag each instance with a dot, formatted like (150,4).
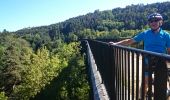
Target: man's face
(155,24)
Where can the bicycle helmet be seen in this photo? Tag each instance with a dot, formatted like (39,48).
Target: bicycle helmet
(155,16)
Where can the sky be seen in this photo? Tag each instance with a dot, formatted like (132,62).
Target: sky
(19,14)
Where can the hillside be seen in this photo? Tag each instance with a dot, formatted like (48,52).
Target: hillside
(129,18)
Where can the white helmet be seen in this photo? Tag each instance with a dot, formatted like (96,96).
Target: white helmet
(155,16)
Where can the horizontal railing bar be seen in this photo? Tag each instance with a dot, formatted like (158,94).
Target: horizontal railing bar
(166,56)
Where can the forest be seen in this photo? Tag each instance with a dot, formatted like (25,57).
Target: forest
(45,63)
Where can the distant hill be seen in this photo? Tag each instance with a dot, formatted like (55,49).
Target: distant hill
(133,17)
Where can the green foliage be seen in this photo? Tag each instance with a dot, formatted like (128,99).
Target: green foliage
(128,33)
(74,85)
(33,72)
(11,63)
(71,83)
(72,37)
(77,85)
(38,72)
(2,96)
(24,73)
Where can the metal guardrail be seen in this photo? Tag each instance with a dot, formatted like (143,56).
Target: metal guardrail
(122,71)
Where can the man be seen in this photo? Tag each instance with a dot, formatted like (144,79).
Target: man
(155,39)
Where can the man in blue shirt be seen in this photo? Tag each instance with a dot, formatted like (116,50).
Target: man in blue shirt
(155,39)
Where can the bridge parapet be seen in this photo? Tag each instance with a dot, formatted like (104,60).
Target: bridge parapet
(99,90)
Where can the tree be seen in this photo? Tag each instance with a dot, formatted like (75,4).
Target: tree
(71,82)
(72,37)
(39,71)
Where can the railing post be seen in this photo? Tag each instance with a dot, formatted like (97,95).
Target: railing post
(160,82)
(111,60)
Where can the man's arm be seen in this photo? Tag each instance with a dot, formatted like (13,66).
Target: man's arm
(123,42)
(168,51)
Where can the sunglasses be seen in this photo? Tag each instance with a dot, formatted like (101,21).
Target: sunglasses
(156,20)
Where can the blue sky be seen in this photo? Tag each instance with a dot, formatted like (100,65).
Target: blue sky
(18,14)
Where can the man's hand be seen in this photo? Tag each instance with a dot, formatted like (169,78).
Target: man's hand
(112,43)
(125,42)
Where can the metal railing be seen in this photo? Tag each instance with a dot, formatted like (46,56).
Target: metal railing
(123,70)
